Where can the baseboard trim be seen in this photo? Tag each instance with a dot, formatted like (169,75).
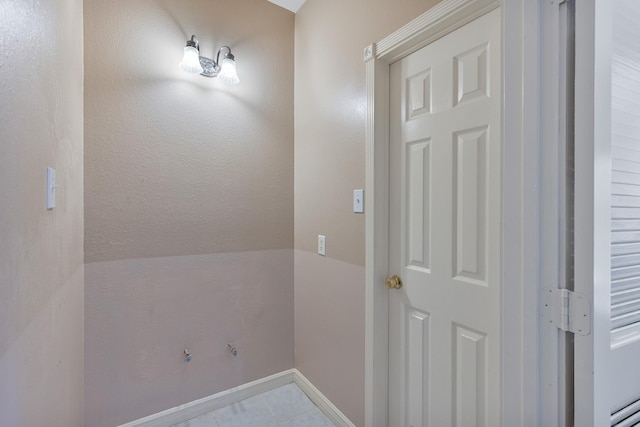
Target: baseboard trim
(321,401)
(198,407)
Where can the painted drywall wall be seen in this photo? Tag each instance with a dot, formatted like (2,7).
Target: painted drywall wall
(178,164)
(41,251)
(330,120)
(147,311)
(189,203)
(329,335)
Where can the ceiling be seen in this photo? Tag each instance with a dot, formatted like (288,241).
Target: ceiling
(292,5)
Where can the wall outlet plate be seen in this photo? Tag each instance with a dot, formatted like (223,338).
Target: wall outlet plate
(322,245)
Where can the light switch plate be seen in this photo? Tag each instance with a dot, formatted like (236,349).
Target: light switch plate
(322,245)
(51,188)
(358,201)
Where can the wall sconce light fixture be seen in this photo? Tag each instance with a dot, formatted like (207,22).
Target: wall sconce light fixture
(224,69)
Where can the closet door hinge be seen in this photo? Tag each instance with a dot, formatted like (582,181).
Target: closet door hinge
(567,310)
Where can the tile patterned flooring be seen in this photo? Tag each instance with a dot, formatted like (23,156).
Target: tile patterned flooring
(286,406)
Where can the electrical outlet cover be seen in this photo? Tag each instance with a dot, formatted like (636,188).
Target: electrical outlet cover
(322,245)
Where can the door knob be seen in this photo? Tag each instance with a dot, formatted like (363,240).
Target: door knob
(393,282)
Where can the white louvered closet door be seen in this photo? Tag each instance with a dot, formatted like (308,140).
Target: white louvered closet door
(607,211)
(625,212)
(625,176)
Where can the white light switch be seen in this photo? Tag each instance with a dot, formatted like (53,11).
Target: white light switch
(358,201)
(322,245)
(51,188)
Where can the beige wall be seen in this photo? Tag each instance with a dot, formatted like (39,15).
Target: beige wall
(145,312)
(330,119)
(41,251)
(178,164)
(189,203)
(329,329)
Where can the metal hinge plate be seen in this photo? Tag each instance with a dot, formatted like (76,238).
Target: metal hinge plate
(567,310)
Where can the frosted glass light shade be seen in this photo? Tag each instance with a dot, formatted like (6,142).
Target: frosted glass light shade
(191,61)
(228,73)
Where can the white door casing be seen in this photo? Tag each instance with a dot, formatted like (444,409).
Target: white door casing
(445,237)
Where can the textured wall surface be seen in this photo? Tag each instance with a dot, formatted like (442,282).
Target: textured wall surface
(41,251)
(178,164)
(329,329)
(189,203)
(330,120)
(147,311)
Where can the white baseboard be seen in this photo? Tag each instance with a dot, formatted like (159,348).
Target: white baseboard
(324,404)
(199,407)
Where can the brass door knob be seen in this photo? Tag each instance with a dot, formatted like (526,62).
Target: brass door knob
(393,282)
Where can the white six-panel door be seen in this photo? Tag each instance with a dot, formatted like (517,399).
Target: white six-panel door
(445,225)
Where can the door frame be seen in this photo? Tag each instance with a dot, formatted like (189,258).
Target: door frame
(593,230)
(521,174)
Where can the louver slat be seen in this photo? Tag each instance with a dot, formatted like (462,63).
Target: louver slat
(625,296)
(625,236)
(625,249)
(625,260)
(625,272)
(628,416)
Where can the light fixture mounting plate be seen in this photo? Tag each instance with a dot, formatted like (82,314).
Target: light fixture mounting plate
(211,69)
